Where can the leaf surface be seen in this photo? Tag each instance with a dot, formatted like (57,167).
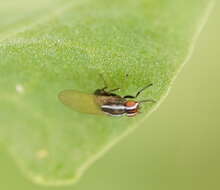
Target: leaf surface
(49,46)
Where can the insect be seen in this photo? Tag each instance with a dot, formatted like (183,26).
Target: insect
(103,101)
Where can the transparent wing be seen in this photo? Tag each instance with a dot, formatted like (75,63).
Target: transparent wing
(80,102)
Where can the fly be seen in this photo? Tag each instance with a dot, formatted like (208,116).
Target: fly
(104,101)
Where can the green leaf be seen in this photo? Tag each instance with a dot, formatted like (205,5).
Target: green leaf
(47,46)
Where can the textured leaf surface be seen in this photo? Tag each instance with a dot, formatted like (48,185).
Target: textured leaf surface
(48,46)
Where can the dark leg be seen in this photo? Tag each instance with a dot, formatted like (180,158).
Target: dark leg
(129,96)
(104,88)
(114,89)
(104,92)
(143,89)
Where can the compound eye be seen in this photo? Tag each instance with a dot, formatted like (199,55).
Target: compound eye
(130,103)
(131,108)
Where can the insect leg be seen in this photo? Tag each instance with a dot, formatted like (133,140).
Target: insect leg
(143,89)
(105,87)
(129,96)
(104,81)
(114,89)
(138,93)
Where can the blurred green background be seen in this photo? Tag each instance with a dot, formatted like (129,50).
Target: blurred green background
(178,145)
